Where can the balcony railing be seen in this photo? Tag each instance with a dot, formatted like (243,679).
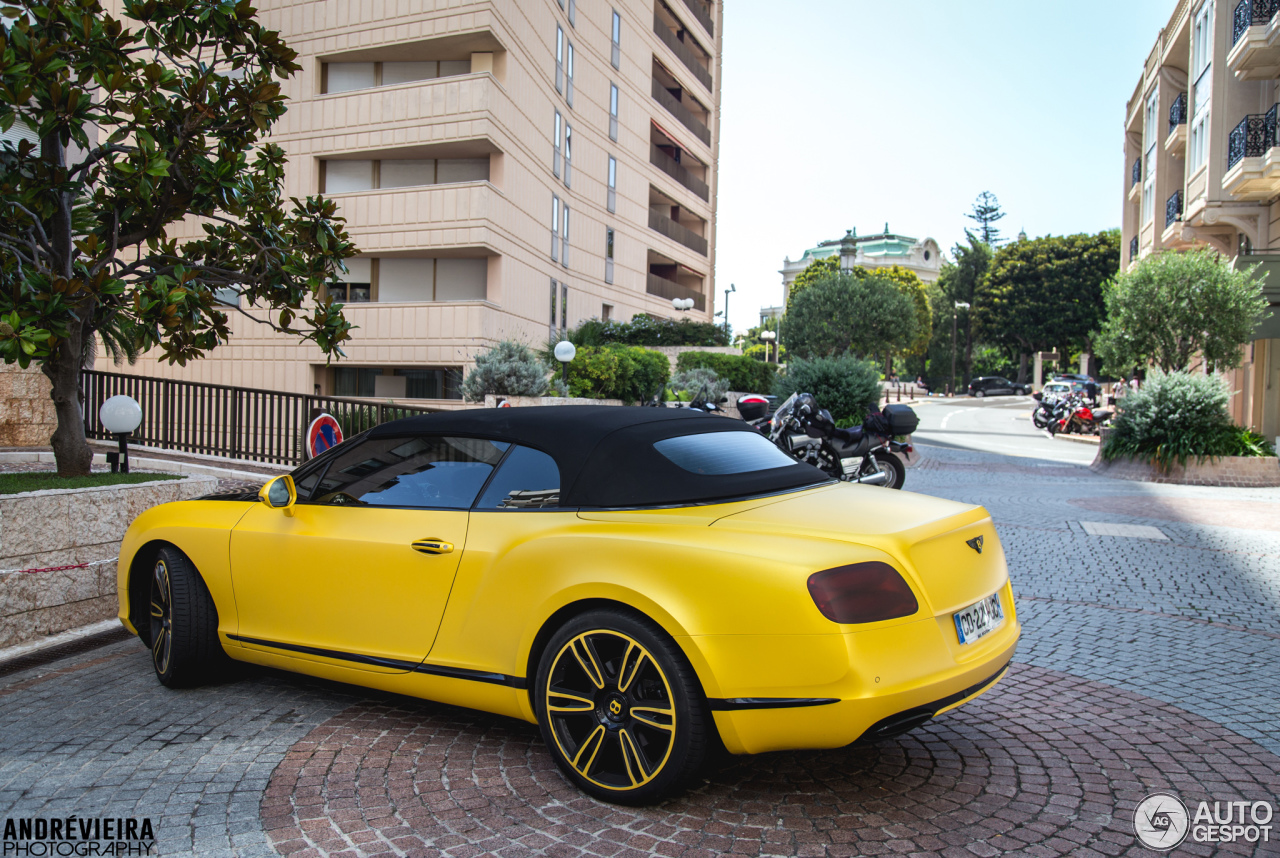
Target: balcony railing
(1178,112)
(683,52)
(1252,137)
(1249,13)
(675,170)
(702,12)
(659,222)
(1133,248)
(664,288)
(1137,172)
(679,111)
(1173,209)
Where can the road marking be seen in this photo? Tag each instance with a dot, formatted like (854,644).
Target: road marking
(1133,531)
(943,426)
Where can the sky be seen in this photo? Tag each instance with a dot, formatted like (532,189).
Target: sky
(840,114)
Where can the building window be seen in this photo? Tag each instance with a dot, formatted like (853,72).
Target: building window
(611,200)
(606,313)
(573,13)
(555,228)
(608,254)
(564,306)
(555,291)
(560,59)
(351,176)
(616,54)
(568,76)
(1202,77)
(355,285)
(346,77)
(354,381)
(431,383)
(613,111)
(555,153)
(568,152)
(564,237)
(1151,131)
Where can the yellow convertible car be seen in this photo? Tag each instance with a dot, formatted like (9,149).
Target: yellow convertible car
(641,583)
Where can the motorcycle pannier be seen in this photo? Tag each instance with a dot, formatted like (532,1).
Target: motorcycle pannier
(753,407)
(902,420)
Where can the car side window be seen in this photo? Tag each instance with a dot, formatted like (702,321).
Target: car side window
(432,472)
(528,479)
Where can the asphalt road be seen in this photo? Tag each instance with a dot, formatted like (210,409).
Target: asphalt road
(996,424)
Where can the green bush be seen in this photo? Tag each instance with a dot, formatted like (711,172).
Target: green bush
(647,331)
(847,387)
(614,371)
(743,374)
(690,382)
(507,369)
(1179,416)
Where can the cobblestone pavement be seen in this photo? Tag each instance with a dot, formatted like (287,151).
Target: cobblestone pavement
(1145,664)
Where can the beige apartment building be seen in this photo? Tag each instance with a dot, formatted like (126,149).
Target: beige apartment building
(1202,164)
(508,168)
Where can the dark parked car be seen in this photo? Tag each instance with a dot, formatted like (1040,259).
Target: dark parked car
(994,385)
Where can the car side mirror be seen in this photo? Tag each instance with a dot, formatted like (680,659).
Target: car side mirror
(280,493)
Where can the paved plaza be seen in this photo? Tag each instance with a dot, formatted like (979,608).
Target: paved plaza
(1150,661)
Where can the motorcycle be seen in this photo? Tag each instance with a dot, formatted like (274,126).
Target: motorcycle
(1043,414)
(1073,414)
(868,455)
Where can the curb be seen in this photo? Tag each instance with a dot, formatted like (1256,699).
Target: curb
(162,466)
(25,656)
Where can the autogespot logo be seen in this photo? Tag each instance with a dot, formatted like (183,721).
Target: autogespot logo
(1161,821)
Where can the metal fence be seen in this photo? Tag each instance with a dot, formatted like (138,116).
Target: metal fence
(219,420)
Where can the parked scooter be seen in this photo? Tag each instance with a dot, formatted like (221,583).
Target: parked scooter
(866,454)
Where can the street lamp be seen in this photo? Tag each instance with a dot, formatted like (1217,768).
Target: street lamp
(120,415)
(960,305)
(565,351)
(732,288)
(769,338)
(682,303)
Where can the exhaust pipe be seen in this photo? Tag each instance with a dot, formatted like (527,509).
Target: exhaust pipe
(879,478)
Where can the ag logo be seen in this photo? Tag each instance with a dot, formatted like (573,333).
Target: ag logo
(1161,821)
(615,706)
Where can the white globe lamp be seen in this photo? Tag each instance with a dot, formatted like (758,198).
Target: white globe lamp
(120,415)
(565,352)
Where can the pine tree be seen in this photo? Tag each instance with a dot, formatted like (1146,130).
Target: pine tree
(986,211)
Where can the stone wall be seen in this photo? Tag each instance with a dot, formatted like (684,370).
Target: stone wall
(68,527)
(1241,471)
(26,411)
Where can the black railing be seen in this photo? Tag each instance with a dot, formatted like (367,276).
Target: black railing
(219,420)
(702,11)
(1173,209)
(664,288)
(1133,248)
(683,52)
(1248,139)
(1137,172)
(1178,112)
(1249,13)
(678,171)
(677,232)
(677,109)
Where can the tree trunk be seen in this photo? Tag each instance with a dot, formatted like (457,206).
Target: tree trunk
(1022,367)
(70,447)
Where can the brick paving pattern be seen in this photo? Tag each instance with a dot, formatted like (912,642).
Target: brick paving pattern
(1144,665)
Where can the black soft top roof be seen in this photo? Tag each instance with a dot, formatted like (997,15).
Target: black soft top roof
(606,454)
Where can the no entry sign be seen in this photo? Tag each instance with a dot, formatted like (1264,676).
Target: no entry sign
(323,433)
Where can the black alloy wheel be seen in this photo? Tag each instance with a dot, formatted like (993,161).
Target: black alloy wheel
(620,708)
(185,649)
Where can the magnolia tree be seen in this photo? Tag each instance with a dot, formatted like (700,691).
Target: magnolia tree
(141,124)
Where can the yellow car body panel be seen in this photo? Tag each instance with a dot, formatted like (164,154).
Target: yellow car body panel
(727,581)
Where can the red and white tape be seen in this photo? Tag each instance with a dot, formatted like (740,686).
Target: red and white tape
(56,568)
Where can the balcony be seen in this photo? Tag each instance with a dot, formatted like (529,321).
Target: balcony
(1173,209)
(678,171)
(1176,143)
(660,223)
(676,108)
(693,58)
(1253,159)
(1255,40)
(1133,248)
(1135,187)
(422,217)
(702,13)
(668,289)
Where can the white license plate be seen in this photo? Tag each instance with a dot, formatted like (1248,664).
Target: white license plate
(980,619)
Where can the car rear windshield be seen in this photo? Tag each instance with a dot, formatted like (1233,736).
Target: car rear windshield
(715,453)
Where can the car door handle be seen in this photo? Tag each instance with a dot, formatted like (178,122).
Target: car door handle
(433,546)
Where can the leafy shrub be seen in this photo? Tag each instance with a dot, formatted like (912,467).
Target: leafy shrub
(741,373)
(690,382)
(507,369)
(647,331)
(616,371)
(1178,416)
(847,387)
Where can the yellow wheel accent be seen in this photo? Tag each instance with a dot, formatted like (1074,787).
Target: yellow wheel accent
(610,709)
(161,617)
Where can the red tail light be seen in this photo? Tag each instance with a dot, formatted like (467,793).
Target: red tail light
(862,593)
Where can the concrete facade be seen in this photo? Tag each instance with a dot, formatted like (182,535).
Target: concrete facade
(1202,165)
(451,134)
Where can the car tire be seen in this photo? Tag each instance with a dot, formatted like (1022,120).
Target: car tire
(185,650)
(620,708)
(978,394)
(892,466)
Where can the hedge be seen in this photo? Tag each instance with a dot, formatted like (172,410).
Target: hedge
(744,374)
